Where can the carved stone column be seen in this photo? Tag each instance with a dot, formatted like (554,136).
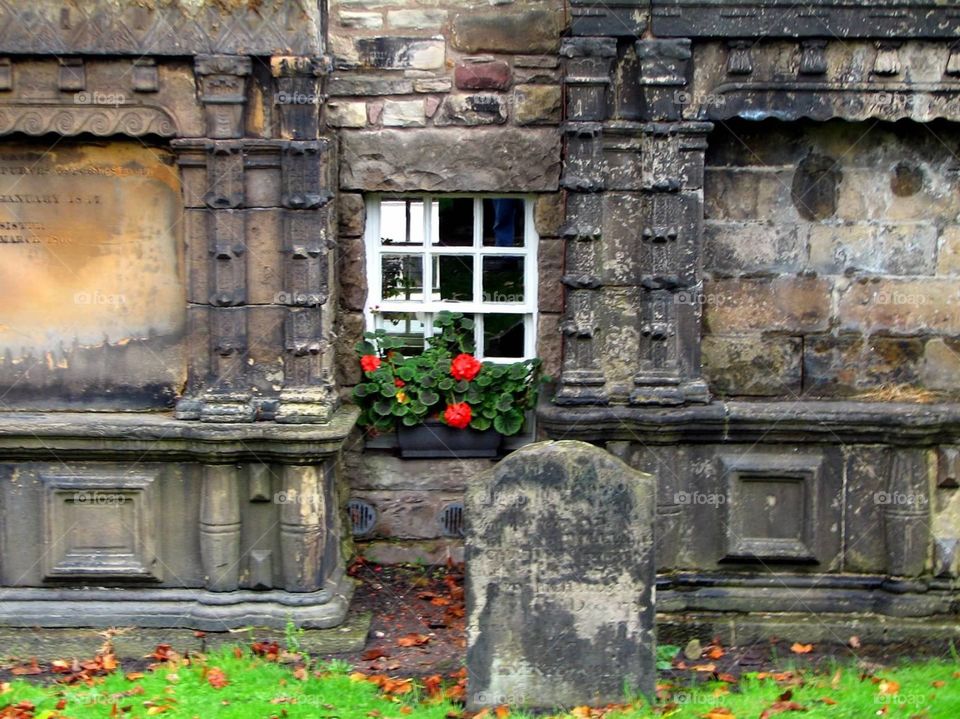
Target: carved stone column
(298,94)
(309,394)
(222,80)
(220,527)
(588,63)
(906,514)
(302,528)
(669,254)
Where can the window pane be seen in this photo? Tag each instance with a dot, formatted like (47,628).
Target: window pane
(503,222)
(503,336)
(408,326)
(456,221)
(402,277)
(453,278)
(503,279)
(401,222)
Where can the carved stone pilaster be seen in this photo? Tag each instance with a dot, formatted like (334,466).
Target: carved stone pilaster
(906,514)
(303,513)
(669,254)
(309,394)
(298,94)
(664,74)
(222,81)
(587,76)
(220,527)
(581,378)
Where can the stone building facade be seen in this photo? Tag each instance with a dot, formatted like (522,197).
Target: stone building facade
(744,219)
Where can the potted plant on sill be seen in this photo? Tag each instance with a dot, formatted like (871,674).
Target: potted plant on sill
(443,402)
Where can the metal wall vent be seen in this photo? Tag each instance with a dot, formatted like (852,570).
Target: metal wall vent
(451,520)
(363,517)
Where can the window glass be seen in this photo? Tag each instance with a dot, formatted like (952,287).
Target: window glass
(503,279)
(453,278)
(455,221)
(401,222)
(407,326)
(503,335)
(402,277)
(503,222)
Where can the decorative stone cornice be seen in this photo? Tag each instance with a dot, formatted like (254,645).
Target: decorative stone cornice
(814,18)
(101,27)
(100,120)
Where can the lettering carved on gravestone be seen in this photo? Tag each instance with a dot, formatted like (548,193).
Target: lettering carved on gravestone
(91,276)
(560,579)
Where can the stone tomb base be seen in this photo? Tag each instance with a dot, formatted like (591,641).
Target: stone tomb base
(136,519)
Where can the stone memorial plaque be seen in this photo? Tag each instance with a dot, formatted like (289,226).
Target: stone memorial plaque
(560,579)
(92,300)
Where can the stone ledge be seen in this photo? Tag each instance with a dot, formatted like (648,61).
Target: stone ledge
(137,643)
(183,608)
(896,423)
(33,435)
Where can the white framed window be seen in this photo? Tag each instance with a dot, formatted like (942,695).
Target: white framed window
(475,254)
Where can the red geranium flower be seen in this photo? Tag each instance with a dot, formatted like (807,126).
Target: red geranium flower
(399,382)
(457,415)
(370,363)
(465,366)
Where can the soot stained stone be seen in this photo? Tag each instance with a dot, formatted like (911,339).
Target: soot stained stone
(815,184)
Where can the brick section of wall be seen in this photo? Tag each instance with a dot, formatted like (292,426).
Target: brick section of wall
(832,258)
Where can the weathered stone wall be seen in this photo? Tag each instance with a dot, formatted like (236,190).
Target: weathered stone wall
(831,258)
(446,97)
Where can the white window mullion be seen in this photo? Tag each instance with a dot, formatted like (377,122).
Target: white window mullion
(427,247)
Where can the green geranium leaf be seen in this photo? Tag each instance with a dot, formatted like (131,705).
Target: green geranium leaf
(388,389)
(481,423)
(508,424)
(445,385)
(383,407)
(365,348)
(399,410)
(429,398)
(360,391)
(410,420)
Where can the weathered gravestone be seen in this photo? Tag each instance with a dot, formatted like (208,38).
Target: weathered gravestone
(560,579)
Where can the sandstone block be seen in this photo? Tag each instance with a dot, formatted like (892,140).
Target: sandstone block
(472,110)
(520,29)
(404,113)
(487,75)
(753,365)
(537,104)
(483,160)
(791,304)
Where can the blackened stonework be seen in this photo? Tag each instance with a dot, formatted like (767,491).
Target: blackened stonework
(559,579)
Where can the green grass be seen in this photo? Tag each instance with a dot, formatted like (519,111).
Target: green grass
(263,689)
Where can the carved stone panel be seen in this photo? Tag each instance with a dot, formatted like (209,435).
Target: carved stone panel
(772,506)
(99,524)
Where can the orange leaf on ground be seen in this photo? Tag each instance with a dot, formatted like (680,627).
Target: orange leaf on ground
(413,640)
(888,687)
(799,648)
(715,651)
(719,713)
(32,668)
(502,712)
(828,701)
(780,707)
(432,685)
(705,667)
(406,710)
(372,654)
(133,676)
(216,678)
